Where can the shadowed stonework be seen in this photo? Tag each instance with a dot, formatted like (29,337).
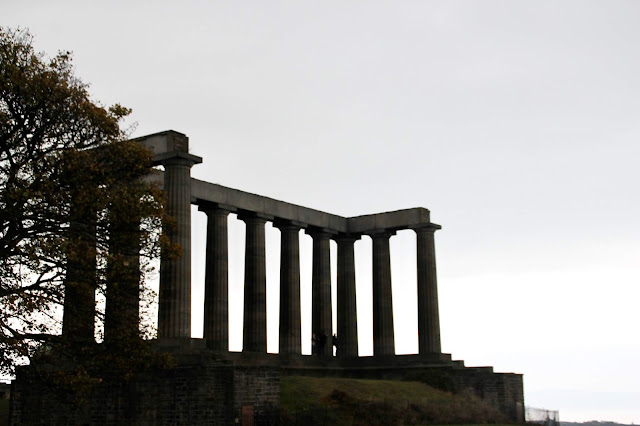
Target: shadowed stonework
(211,384)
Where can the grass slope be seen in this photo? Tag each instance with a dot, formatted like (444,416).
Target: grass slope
(337,401)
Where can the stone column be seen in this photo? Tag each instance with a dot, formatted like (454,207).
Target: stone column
(255,285)
(174,307)
(216,280)
(428,316)
(81,280)
(383,337)
(321,312)
(347,317)
(289,288)
(122,308)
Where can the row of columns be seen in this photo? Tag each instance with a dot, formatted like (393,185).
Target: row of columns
(122,278)
(122,241)
(174,311)
(175,285)
(255,325)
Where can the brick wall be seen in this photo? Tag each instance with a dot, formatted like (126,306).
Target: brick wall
(256,386)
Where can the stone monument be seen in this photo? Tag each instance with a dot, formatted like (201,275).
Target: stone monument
(212,384)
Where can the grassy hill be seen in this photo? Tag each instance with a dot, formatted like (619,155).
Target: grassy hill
(336,401)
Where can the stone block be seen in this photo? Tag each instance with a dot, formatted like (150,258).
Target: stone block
(167,141)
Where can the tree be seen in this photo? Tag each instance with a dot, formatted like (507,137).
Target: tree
(76,215)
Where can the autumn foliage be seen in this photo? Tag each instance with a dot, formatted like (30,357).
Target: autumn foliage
(74,207)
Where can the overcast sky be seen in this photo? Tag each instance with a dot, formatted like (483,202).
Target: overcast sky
(515,123)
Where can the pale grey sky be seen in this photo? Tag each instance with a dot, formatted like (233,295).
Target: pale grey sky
(515,123)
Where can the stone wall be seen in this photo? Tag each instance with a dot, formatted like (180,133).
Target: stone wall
(203,390)
(256,386)
(204,393)
(502,390)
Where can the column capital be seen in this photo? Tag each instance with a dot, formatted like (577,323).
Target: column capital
(285,224)
(381,233)
(316,232)
(176,158)
(427,227)
(249,216)
(346,238)
(215,208)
